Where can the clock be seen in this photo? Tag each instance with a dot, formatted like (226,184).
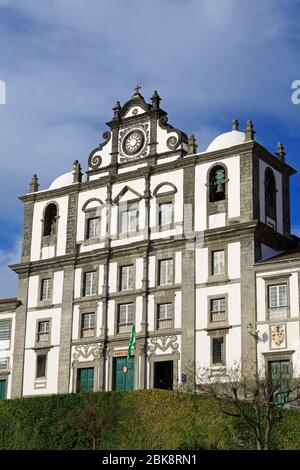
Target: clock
(133,142)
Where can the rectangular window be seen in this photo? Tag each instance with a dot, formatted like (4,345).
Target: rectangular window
(125,318)
(127,277)
(88,323)
(5,330)
(41,366)
(165,315)
(218,351)
(46,289)
(165,275)
(278,300)
(165,213)
(44,331)
(93,228)
(129,218)
(90,283)
(217,309)
(218,262)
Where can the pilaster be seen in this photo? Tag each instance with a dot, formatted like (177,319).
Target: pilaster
(20,334)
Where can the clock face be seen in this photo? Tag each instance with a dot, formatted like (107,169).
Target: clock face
(133,142)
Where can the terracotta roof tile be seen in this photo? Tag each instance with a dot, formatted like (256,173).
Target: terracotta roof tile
(286,256)
(8,301)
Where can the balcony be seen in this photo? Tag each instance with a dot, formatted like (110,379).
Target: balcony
(278,313)
(124,327)
(218,316)
(166,323)
(87,332)
(4,364)
(43,337)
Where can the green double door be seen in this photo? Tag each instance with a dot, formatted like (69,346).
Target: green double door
(2,389)
(85,380)
(123,373)
(280,376)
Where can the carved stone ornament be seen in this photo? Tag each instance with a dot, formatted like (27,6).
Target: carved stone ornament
(278,335)
(87,350)
(163,343)
(173,142)
(95,159)
(133,142)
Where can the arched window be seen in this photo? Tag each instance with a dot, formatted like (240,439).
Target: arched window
(217,186)
(270,194)
(165,205)
(50,219)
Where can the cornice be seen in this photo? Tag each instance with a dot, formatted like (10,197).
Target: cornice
(9,306)
(183,160)
(272,160)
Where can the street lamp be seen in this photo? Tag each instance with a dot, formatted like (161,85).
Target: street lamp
(251,330)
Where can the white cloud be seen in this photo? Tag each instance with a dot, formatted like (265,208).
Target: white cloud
(66,62)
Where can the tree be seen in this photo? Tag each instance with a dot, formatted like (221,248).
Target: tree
(92,418)
(255,401)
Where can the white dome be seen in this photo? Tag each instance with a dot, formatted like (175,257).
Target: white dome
(62,180)
(228,139)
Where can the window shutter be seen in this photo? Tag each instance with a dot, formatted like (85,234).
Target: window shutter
(162,274)
(130,313)
(5,330)
(170,271)
(94,283)
(130,277)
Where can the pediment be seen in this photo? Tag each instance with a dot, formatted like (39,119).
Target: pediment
(127,194)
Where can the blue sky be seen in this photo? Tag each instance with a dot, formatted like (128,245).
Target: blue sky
(66,62)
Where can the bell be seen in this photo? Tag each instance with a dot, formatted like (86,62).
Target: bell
(220,188)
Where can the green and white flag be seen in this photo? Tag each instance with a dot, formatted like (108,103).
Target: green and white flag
(131,342)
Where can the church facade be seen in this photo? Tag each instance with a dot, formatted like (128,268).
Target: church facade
(193,249)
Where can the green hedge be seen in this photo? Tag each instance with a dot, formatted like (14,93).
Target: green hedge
(142,420)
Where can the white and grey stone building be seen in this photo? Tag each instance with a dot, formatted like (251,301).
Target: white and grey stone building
(193,248)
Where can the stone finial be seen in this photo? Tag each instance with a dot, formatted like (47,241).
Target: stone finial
(280,151)
(249,132)
(192,145)
(117,109)
(155,100)
(34,184)
(235,125)
(77,174)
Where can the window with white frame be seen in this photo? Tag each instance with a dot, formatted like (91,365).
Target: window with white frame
(5,330)
(46,289)
(278,301)
(218,350)
(126,277)
(218,309)
(165,272)
(93,228)
(88,323)
(165,315)
(129,218)
(165,214)
(90,283)
(44,331)
(218,262)
(125,317)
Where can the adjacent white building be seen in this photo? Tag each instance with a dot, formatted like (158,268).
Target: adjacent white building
(192,248)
